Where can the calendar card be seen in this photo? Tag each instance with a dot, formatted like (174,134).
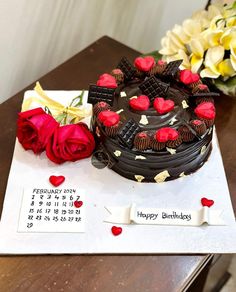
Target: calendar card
(52,210)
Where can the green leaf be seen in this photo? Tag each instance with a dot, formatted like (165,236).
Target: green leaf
(61,117)
(155,54)
(228,87)
(218,20)
(78,100)
(233,6)
(47,110)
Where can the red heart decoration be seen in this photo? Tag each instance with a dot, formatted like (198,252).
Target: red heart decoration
(107,80)
(202,86)
(166,134)
(187,76)
(78,204)
(197,122)
(206,202)
(109,118)
(144,63)
(56,180)
(205,110)
(116,230)
(161,62)
(141,103)
(163,106)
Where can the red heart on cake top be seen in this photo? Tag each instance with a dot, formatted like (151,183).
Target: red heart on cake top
(206,202)
(144,63)
(107,80)
(116,230)
(109,118)
(141,103)
(163,106)
(78,204)
(56,180)
(166,134)
(205,110)
(187,76)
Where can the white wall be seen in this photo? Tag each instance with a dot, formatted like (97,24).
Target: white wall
(38,35)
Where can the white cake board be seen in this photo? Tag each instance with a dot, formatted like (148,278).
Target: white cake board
(103,187)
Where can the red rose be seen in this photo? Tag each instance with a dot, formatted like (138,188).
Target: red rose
(34,129)
(70,143)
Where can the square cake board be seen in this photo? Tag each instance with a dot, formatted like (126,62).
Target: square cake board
(103,187)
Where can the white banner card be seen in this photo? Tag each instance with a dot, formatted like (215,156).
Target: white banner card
(139,215)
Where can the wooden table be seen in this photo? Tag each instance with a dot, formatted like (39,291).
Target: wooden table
(98,272)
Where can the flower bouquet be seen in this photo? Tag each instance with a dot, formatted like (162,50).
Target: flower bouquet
(55,129)
(207,45)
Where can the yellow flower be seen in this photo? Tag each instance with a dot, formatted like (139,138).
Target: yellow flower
(225,68)
(202,17)
(228,37)
(206,42)
(215,66)
(212,37)
(181,55)
(233,55)
(197,49)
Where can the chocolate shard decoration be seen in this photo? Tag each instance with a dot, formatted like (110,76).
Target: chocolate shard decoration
(205,94)
(172,69)
(152,87)
(100,93)
(127,133)
(127,68)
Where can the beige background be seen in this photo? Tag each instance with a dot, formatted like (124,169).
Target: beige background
(38,35)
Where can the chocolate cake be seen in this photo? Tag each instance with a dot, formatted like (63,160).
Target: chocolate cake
(152,121)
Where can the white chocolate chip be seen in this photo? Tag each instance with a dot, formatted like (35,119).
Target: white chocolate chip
(161,177)
(135,96)
(139,178)
(139,157)
(120,111)
(122,94)
(182,174)
(144,120)
(184,104)
(203,149)
(172,121)
(171,150)
(117,153)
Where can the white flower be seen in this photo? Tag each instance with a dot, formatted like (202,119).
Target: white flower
(233,55)
(215,65)
(206,42)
